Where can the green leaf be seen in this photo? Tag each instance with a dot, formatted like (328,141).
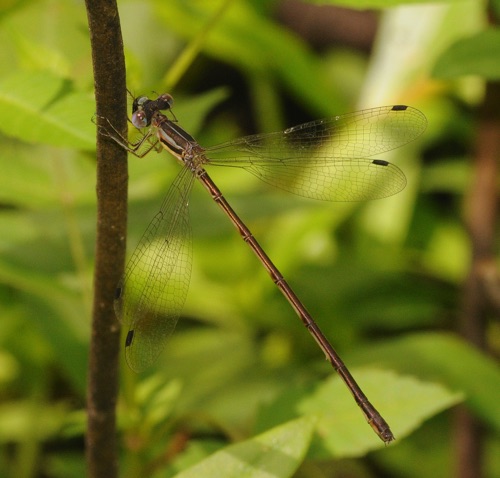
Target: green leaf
(159,399)
(24,418)
(475,55)
(451,361)
(35,55)
(38,177)
(275,453)
(364,4)
(192,111)
(55,313)
(404,401)
(37,108)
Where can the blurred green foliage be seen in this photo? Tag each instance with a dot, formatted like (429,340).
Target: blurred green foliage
(383,279)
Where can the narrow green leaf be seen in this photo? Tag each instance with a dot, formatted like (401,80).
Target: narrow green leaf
(276,453)
(475,55)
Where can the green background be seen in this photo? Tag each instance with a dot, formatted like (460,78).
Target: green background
(241,389)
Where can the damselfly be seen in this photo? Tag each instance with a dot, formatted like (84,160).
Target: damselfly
(327,159)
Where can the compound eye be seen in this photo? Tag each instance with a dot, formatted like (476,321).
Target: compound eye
(165,101)
(139,119)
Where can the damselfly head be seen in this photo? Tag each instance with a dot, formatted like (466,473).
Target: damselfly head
(144,108)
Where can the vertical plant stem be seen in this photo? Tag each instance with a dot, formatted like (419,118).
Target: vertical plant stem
(111,188)
(476,303)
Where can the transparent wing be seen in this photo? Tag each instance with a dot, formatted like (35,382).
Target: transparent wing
(150,296)
(327,159)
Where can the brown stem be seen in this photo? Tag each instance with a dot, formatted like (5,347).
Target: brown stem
(111,187)
(477,297)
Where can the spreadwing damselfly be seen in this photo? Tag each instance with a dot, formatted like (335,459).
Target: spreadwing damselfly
(327,159)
